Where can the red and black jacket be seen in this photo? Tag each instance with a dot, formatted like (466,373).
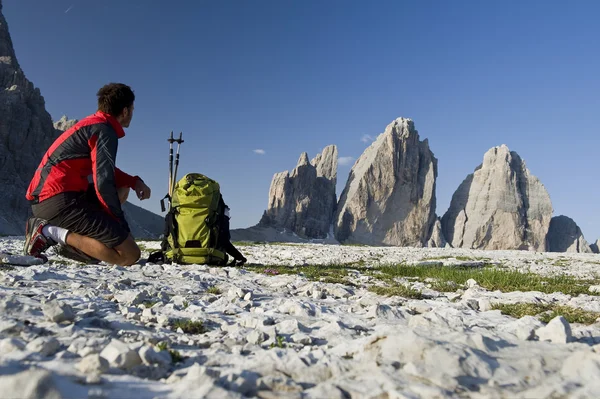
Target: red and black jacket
(88,148)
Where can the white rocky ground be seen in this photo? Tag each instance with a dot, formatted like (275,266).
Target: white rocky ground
(74,331)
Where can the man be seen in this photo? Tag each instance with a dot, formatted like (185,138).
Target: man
(86,219)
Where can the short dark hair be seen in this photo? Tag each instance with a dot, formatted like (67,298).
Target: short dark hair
(113,98)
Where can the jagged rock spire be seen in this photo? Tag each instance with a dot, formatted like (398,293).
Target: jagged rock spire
(304,200)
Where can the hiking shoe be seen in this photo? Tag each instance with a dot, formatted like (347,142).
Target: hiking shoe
(35,242)
(73,253)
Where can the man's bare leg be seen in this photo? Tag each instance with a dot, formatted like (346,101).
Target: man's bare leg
(124,254)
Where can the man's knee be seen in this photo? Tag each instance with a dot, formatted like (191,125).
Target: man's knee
(129,252)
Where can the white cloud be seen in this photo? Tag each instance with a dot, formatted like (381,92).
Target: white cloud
(345,161)
(259,151)
(366,138)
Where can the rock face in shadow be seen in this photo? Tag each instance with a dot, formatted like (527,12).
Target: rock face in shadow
(595,247)
(303,201)
(389,198)
(500,206)
(565,236)
(26,131)
(437,239)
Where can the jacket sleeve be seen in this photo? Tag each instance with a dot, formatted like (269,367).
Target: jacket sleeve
(103,147)
(123,179)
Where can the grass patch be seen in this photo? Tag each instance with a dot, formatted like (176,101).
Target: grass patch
(149,304)
(162,346)
(547,312)
(518,310)
(333,274)
(213,289)
(189,326)
(562,262)
(460,258)
(573,315)
(492,279)
(398,290)
(175,355)
(279,342)
(441,278)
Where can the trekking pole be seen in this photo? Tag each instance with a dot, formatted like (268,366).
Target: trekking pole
(179,141)
(168,196)
(171,140)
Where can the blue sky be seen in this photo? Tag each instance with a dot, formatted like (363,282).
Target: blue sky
(292,76)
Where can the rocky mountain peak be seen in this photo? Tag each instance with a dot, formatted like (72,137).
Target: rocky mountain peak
(26,131)
(499,206)
(304,200)
(389,198)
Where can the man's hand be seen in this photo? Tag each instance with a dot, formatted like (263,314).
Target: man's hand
(142,190)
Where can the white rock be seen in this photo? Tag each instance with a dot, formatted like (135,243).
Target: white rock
(93,364)
(472,283)
(301,338)
(8,345)
(57,311)
(524,328)
(236,292)
(150,356)
(484,304)
(289,326)
(29,384)
(594,289)
(339,292)
(46,346)
(132,297)
(256,337)
(120,355)
(385,312)
(557,331)
(162,319)
(324,390)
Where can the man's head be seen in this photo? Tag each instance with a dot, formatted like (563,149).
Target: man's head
(117,99)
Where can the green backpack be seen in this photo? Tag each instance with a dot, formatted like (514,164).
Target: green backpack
(195,230)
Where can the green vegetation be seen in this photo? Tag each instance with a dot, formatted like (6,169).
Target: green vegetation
(398,290)
(175,355)
(189,326)
(460,258)
(441,278)
(490,278)
(561,262)
(213,289)
(548,312)
(149,304)
(279,342)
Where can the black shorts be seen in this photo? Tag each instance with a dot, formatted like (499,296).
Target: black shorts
(81,213)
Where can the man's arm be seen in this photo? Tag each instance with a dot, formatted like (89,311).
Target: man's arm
(123,179)
(103,146)
(134,182)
